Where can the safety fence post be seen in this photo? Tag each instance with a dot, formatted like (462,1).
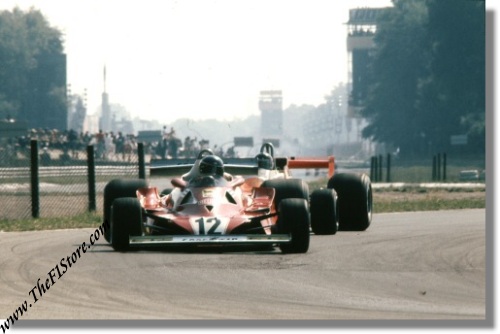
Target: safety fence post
(141,160)
(444,166)
(439,165)
(380,168)
(91,178)
(388,173)
(375,169)
(35,180)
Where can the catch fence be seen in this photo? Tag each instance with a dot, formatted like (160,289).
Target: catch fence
(34,186)
(441,167)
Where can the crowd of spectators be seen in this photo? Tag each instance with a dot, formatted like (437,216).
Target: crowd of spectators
(70,145)
(171,147)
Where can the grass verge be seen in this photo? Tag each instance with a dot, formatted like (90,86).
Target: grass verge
(53,223)
(427,200)
(408,198)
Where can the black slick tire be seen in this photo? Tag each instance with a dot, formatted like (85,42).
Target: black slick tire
(287,188)
(293,218)
(126,221)
(324,214)
(118,188)
(355,203)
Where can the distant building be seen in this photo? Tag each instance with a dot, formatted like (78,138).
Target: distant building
(326,127)
(120,119)
(77,111)
(114,117)
(271,113)
(361,29)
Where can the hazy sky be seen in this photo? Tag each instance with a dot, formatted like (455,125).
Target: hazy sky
(201,59)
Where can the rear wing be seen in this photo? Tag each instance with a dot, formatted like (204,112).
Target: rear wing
(177,167)
(313,162)
(241,166)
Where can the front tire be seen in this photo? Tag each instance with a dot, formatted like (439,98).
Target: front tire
(355,200)
(118,188)
(293,218)
(126,220)
(324,214)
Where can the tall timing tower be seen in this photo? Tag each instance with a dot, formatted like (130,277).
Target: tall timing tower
(360,32)
(271,113)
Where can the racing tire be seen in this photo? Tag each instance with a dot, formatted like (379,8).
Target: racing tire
(355,200)
(294,219)
(287,188)
(324,212)
(126,220)
(118,188)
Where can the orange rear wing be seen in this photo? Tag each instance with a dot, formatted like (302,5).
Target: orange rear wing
(328,162)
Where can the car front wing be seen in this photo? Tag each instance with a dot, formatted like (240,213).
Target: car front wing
(243,239)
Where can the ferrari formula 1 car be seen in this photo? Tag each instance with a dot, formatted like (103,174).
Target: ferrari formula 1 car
(251,201)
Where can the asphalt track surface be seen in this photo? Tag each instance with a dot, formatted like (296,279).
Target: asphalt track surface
(426,265)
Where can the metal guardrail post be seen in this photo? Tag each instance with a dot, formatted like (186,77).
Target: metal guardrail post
(91,177)
(141,160)
(35,180)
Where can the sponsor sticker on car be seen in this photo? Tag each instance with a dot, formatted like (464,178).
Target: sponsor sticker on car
(210,238)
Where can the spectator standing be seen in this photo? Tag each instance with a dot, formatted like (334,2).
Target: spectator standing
(164,143)
(109,146)
(120,146)
(73,143)
(173,144)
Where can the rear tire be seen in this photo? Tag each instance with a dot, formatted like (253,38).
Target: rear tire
(324,212)
(118,188)
(354,200)
(287,188)
(126,220)
(293,218)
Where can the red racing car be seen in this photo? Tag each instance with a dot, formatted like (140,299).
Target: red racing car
(241,202)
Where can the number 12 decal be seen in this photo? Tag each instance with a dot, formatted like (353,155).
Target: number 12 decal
(212,225)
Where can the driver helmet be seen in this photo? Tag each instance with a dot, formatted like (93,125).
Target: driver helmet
(211,165)
(264,161)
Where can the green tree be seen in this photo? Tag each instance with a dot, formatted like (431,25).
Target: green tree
(28,45)
(453,95)
(399,61)
(428,76)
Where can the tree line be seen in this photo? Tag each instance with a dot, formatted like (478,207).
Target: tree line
(427,76)
(32,70)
